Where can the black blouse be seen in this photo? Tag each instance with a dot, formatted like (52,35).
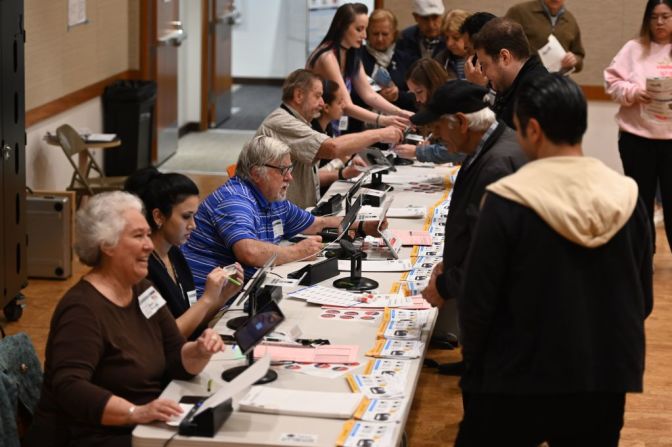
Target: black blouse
(175,294)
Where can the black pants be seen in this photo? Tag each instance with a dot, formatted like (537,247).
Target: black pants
(573,420)
(649,163)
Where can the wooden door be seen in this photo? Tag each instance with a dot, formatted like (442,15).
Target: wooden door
(161,35)
(217,79)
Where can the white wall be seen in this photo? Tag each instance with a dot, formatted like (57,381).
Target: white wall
(46,166)
(601,139)
(189,65)
(270,40)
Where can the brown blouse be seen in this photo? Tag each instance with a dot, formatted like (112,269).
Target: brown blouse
(97,349)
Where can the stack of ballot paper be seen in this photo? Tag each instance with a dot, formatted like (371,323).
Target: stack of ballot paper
(367,434)
(397,349)
(400,325)
(389,367)
(380,410)
(376,387)
(263,399)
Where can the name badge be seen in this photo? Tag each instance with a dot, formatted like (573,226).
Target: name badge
(343,123)
(278,231)
(191,296)
(150,302)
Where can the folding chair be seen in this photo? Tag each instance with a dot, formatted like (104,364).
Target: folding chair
(82,181)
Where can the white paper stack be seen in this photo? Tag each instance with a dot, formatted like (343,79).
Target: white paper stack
(263,399)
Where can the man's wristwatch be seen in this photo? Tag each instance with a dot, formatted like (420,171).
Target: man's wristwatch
(340,174)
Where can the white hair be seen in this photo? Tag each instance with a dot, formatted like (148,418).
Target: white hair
(478,121)
(100,222)
(261,150)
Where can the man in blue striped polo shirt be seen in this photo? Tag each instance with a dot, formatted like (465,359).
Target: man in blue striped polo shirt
(245,219)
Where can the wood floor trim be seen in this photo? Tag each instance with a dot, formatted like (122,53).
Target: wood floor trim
(595,93)
(60,105)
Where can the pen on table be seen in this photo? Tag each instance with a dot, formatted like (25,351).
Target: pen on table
(209,385)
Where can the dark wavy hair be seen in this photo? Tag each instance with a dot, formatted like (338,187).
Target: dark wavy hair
(428,73)
(559,106)
(329,89)
(344,17)
(159,191)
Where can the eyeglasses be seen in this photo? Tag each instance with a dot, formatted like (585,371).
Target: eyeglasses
(654,18)
(284,170)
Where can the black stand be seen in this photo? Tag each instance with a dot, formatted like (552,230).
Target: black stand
(377,183)
(236,323)
(232,373)
(355,281)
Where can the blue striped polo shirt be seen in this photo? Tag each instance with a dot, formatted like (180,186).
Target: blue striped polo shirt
(237,210)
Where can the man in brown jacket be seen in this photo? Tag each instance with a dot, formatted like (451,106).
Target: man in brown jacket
(541,18)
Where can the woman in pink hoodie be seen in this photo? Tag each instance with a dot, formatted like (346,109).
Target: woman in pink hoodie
(645,140)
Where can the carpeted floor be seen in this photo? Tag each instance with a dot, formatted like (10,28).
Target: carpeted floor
(208,152)
(250,104)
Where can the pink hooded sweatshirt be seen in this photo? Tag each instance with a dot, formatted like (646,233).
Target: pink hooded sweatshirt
(627,75)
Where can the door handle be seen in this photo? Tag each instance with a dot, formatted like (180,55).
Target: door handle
(230,17)
(6,152)
(174,38)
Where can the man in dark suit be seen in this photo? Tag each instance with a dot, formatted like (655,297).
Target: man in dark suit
(556,288)
(463,121)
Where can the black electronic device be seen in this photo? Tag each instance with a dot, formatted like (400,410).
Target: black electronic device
(355,281)
(374,157)
(207,422)
(251,334)
(258,326)
(254,328)
(350,195)
(333,205)
(343,228)
(315,273)
(251,289)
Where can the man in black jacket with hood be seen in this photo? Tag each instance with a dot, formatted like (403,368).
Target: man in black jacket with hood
(556,288)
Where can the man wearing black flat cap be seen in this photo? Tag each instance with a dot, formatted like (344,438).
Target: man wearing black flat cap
(463,121)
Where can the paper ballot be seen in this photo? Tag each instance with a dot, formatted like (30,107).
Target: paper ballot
(660,107)
(552,54)
(301,403)
(246,379)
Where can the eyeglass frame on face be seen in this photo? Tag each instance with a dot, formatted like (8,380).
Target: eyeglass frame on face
(655,18)
(284,170)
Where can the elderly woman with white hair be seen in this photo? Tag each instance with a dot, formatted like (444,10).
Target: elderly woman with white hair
(112,342)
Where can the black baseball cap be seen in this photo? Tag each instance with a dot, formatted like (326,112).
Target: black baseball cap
(452,97)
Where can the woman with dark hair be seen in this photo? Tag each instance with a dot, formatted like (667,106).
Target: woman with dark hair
(171,201)
(332,112)
(338,58)
(423,78)
(645,138)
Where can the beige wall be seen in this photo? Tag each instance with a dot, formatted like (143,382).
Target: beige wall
(60,61)
(605,26)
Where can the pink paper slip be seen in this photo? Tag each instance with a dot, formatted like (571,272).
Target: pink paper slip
(413,237)
(319,354)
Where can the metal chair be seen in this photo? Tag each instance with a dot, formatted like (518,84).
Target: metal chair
(82,181)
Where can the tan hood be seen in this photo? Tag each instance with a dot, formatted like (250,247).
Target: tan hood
(579,197)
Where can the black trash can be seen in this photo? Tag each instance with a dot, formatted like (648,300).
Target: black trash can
(128,111)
